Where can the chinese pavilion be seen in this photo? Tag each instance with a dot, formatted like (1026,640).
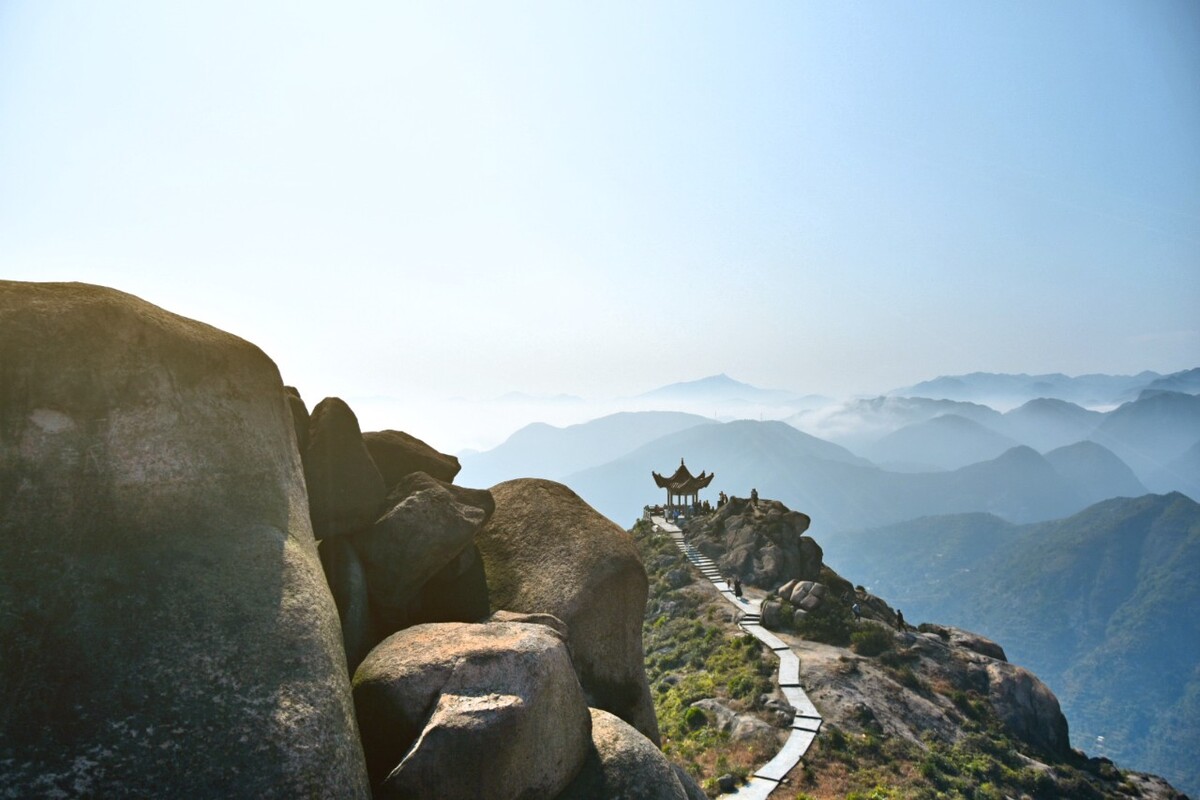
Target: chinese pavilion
(683,484)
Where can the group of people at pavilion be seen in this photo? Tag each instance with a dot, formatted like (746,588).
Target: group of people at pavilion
(683,493)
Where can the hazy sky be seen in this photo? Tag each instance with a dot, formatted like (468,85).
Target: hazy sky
(601,198)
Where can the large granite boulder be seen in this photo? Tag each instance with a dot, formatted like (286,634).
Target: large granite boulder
(623,765)
(761,543)
(166,628)
(690,788)
(420,481)
(428,529)
(975,642)
(456,710)
(397,454)
(345,490)
(1027,707)
(547,551)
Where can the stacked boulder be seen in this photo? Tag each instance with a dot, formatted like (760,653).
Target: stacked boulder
(497,623)
(804,596)
(392,546)
(762,543)
(548,551)
(192,566)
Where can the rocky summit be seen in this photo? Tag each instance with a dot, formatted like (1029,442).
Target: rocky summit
(761,542)
(193,566)
(206,591)
(921,711)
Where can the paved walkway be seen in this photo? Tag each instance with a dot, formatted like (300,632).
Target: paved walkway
(807,721)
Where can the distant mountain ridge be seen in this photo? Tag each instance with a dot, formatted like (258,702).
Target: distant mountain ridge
(894,457)
(721,386)
(1152,434)
(545,451)
(1101,605)
(948,441)
(722,397)
(1007,390)
(837,488)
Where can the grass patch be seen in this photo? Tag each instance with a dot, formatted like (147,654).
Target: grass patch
(694,651)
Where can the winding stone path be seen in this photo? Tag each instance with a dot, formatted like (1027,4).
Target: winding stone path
(807,722)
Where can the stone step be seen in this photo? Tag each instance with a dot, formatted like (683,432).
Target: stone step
(807,721)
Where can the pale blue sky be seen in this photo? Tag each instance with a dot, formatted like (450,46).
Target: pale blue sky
(598,199)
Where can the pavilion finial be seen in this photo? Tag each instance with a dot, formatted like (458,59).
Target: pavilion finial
(681,461)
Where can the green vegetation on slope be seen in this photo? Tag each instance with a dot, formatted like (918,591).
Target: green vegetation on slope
(695,651)
(1099,605)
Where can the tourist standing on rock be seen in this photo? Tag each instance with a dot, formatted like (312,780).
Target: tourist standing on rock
(857,611)
(899,620)
(754,497)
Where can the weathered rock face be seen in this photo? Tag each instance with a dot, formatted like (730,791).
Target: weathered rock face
(166,627)
(1027,707)
(547,551)
(549,620)
(299,416)
(348,585)
(761,543)
(691,789)
(345,490)
(973,641)
(623,765)
(457,593)
(740,727)
(415,482)
(397,454)
(413,542)
(503,692)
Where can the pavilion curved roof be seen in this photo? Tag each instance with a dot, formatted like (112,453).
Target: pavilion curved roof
(683,481)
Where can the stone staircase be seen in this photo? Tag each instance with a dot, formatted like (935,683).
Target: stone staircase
(807,721)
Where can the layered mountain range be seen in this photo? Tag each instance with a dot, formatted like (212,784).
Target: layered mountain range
(881,460)
(205,590)
(962,512)
(1100,605)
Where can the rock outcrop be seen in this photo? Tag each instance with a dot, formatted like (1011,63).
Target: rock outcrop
(428,528)
(166,627)
(762,543)
(1027,707)
(623,765)
(345,489)
(504,692)
(547,551)
(740,727)
(398,454)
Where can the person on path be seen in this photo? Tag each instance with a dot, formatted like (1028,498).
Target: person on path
(737,588)
(857,611)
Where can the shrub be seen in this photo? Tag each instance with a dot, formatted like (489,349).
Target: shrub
(907,678)
(871,640)
(830,622)
(890,658)
(695,718)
